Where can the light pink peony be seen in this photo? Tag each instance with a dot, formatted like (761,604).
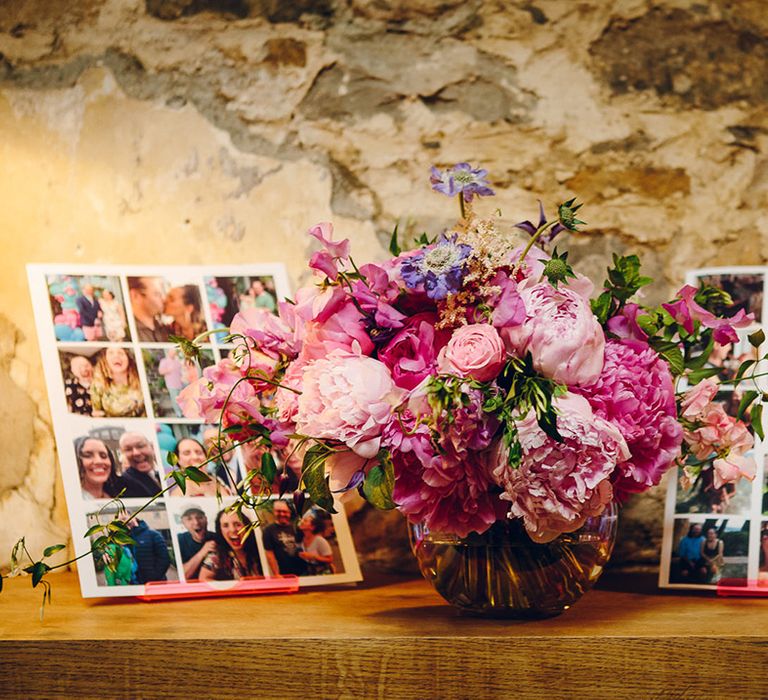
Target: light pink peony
(558,485)
(347,397)
(636,393)
(561,333)
(475,351)
(339,331)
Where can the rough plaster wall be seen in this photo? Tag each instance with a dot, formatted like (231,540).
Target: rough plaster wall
(190,131)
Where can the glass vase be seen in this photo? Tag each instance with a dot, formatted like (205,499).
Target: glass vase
(503,573)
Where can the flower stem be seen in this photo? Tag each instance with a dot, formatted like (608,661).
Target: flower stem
(462,208)
(533,240)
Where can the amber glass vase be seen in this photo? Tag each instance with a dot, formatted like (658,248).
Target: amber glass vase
(503,573)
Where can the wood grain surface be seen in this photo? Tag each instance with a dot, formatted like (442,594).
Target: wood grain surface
(387,639)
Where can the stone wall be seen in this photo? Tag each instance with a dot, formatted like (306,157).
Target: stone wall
(191,131)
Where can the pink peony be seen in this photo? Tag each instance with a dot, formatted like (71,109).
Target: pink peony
(347,397)
(449,495)
(561,333)
(636,393)
(558,485)
(475,351)
(412,353)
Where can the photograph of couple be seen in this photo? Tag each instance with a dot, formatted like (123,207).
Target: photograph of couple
(102,382)
(163,307)
(168,372)
(87,308)
(150,558)
(230,295)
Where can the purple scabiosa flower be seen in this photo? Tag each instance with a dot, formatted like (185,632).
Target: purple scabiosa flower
(461,178)
(439,267)
(530,228)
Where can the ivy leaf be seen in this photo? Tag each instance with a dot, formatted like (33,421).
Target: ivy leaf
(379,484)
(757,420)
(38,570)
(268,467)
(757,338)
(601,307)
(93,529)
(394,246)
(123,538)
(314,478)
(181,482)
(745,403)
(698,374)
(48,551)
(196,474)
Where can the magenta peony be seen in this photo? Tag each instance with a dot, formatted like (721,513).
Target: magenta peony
(636,393)
(475,351)
(558,485)
(561,333)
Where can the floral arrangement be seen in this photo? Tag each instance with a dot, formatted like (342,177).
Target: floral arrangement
(476,378)
(471,379)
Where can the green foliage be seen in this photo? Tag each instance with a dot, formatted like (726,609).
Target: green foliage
(557,269)
(314,478)
(38,569)
(566,214)
(757,338)
(380,482)
(268,467)
(196,474)
(394,246)
(49,551)
(624,280)
(188,348)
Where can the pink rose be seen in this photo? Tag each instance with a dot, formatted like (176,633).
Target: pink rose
(412,353)
(347,397)
(475,351)
(561,333)
(697,398)
(339,331)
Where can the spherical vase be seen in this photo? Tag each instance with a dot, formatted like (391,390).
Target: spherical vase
(503,573)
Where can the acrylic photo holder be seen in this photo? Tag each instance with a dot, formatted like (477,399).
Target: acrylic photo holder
(113,376)
(738,513)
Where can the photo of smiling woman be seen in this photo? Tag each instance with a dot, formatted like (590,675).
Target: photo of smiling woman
(116,389)
(97,466)
(235,555)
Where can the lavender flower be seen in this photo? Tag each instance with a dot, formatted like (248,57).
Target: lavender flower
(440,267)
(461,178)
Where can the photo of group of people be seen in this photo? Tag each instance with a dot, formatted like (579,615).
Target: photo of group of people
(114,373)
(714,532)
(220,544)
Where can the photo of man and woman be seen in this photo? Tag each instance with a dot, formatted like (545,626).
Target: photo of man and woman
(150,558)
(113,460)
(168,372)
(101,381)
(166,306)
(709,549)
(87,308)
(230,295)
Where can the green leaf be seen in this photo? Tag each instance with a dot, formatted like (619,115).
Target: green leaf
(93,529)
(394,246)
(698,374)
(268,467)
(173,459)
(743,367)
(757,338)
(674,358)
(181,482)
(379,484)
(701,359)
(38,570)
(123,538)
(757,420)
(196,474)
(48,551)
(314,478)
(745,403)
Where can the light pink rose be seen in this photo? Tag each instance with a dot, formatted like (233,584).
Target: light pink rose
(474,351)
(558,485)
(697,398)
(561,333)
(347,397)
(730,469)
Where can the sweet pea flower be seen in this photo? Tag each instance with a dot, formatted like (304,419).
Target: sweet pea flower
(326,260)
(561,333)
(475,351)
(269,333)
(685,310)
(349,398)
(624,325)
(728,470)
(411,354)
(697,398)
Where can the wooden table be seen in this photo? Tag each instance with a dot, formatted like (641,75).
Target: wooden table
(389,639)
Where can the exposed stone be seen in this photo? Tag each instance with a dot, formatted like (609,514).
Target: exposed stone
(661,50)
(16,415)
